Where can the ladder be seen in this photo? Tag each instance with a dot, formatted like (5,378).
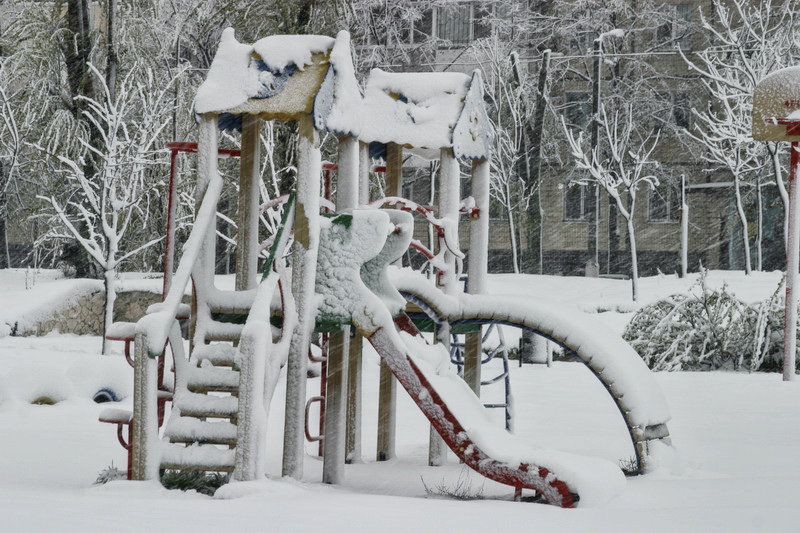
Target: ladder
(201,431)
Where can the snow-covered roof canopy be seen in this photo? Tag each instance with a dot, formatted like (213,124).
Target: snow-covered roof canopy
(473,132)
(423,112)
(776,98)
(283,76)
(277,77)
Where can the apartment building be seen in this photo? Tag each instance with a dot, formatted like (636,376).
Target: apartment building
(569,229)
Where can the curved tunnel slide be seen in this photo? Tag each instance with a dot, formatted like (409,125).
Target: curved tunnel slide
(456,413)
(618,367)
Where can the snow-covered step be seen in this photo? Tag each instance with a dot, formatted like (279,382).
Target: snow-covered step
(212,379)
(206,406)
(218,354)
(223,331)
(183,312)
(188,429)
(120,331)
(196,457)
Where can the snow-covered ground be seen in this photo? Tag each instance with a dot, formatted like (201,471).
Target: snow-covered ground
(737,468)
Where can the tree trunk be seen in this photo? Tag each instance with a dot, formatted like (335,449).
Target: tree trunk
(110,284)
(77,49)
(533,132)
(111,61)
(512,232)
(760,236)
(778,175)
(5,256)
(684,229)
(743,220)
(634,260)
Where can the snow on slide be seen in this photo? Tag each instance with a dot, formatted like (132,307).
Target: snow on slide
(563,479)
(613,360)
(352,281)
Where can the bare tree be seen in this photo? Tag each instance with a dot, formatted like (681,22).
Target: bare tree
(749,40)
(10,146)
(722,132)
(107,204)
(621,173)
(509,186)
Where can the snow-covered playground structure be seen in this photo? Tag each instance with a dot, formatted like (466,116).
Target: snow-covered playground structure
(341,279)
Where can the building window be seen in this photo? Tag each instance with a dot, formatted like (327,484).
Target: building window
(681,110)
(462,23)
(458,23)
(386,29)
(682,30)
(664,204)
(454,24)
(678,30)
(422,29)
(575,201)
(577,109)
(671,107)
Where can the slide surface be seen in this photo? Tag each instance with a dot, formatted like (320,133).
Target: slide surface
(458,416)
(619,368)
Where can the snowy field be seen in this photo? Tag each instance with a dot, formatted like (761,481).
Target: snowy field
(736,468)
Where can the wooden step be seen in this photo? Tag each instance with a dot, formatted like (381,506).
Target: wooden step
(185,429)
(218,354)
(196,457)
(210,378)
(206,406)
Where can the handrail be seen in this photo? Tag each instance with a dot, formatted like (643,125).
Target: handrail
(258,374)
(156,326)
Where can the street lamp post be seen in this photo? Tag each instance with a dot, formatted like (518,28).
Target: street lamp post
(594,231)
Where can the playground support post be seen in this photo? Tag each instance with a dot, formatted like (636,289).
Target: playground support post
(792,251)
(352,448)
(477,266)
(249,196)
(304,260)
(333,454)
(363,173)
(144,433)
(449,205)
(387,389)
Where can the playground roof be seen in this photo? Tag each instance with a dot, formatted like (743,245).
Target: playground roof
(423,112)
(277,77)
(283,76)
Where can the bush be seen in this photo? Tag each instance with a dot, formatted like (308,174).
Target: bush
(202,482)
(461,489)
(110,473)
(707,330)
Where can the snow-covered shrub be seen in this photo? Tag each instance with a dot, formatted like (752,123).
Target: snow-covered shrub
(767,323)
(702,330)
(110,473)
(706,330)
(203,482)
(91,375)
(461,489)
(37,383)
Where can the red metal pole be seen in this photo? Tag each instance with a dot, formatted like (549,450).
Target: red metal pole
(327,185)
(169,256)
(323,389)
(792,253)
